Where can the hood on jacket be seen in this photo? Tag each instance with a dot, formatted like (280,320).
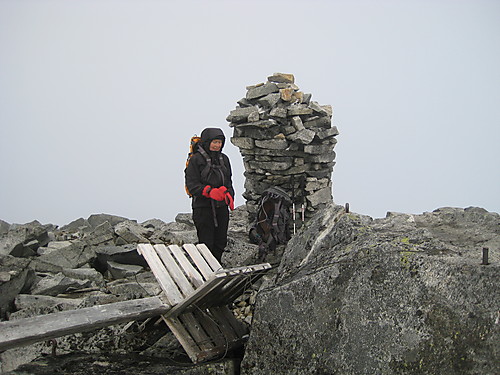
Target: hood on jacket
(209,134)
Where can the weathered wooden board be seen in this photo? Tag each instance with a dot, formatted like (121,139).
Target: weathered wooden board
(198,259)
(44,327)
(162,275)
(192,274)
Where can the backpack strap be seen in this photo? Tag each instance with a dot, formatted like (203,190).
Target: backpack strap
(210,167)
(276,216)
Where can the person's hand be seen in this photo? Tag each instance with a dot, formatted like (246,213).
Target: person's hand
(229,200)
(218,194)
(206,191)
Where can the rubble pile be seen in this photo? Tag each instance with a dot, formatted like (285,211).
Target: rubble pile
(323,309)
(286,140)
(94,261)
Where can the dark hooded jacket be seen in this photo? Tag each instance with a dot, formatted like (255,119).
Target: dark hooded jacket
(197,176)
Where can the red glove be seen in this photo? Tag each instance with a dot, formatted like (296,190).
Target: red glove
(217,194)
(229,201)
(206,191)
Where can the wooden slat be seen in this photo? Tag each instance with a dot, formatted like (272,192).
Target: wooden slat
(198,260)
(192,349)
(174,270)
(162,276)
(220,351)
(244,269)
(196,297)
(230,295)
(214,295)
(196,331)
(225,324)
(219,290)
(193,275)
(209,257)
(211,327)
(234,285)
(26,331)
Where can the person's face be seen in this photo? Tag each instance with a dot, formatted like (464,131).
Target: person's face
(215,145)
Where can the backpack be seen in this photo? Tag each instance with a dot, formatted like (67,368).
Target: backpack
(272,224)
(194,147)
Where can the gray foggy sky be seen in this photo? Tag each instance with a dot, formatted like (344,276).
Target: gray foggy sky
(98,99)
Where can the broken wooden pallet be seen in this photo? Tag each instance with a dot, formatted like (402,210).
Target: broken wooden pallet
(199,290)
(196,292)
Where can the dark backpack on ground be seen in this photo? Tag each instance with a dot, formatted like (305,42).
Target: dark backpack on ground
(272,224)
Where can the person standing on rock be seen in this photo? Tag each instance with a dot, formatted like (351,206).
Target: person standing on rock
(208,179)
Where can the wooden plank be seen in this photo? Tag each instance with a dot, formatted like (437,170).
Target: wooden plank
(220,351)
(244,269)
(211,327)
(198,260)
(196,331)
(174,270)
(209,257)
(216,295)
(193,275)
(233,286)
(222,343)
(26,331)
(219,290)
(225,324)
(184,338)
(196,297)
(230,295)
(162,276)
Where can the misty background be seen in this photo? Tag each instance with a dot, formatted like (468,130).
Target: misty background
(99,98)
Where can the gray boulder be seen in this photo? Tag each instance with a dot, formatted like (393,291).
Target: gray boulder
(406,294)
(122,271)
(52,285)
(78,225)
(239,251)
(179,232)
(102,234)
(4,227)
(67,254)
(127,290)
(130,231)
(97,219)
(15,277)
(304,136)
(261,90)
(23,240)
(89,274)
(126,254)
(180,237)
(53,246)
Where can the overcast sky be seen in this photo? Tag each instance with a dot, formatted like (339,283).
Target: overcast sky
(99,98)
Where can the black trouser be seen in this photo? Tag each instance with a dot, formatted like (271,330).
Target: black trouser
(214,237)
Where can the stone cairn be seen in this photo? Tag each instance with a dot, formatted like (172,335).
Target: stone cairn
(286,140)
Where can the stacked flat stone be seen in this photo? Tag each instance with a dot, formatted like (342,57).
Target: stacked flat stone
(286,140)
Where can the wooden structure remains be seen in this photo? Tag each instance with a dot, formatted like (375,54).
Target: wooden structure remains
(194,304)
(199,289)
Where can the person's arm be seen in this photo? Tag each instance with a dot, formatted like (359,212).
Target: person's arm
(192,177)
